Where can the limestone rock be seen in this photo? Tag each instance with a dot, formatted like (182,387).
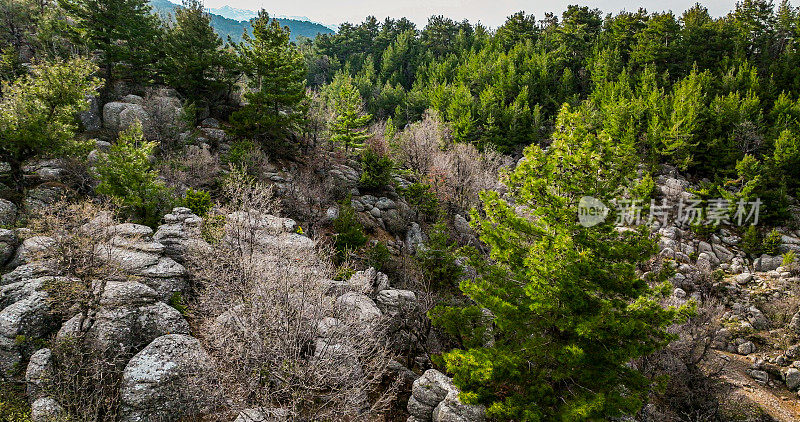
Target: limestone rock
(8,213)
(39,372)
(452,410)
(159,381)
(358,306)
(32,249)
(792,377)
(46,409)
(8,245)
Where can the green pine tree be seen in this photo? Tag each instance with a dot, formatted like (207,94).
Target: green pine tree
(125,32)
(127,176)
(194,61)
(569,310)
(276,104)
(348,127)
(38,111)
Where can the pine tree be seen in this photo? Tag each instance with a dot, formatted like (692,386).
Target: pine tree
(276,103)
(194,62)
(38,111)
(348,127)
(568,308)
(127,176)
(125,32)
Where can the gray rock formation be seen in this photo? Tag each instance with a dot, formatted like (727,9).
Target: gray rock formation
(128,319)
(435,398)
(8,213)
(8,245)
(164,380)
(46,409)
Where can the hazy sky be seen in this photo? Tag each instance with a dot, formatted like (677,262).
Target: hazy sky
(491,13)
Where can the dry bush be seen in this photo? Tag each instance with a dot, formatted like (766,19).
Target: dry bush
(307,195)
(265,318)
(77,228)
(690,367)
(84,380)
(463,172)
(243,192)
(167,119)
(421,141)
(195,167)
(457,172)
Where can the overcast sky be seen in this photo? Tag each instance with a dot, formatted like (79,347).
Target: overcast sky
(489,12)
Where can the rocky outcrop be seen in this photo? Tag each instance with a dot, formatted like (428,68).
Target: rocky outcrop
(90,119)
(165,380)
(180,233)
(435,398)
(32,249)
(132,250)
(46,409)
(129,317)
(8,213)
(8,245)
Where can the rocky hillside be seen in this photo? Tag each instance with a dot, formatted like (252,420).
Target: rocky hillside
(182,308)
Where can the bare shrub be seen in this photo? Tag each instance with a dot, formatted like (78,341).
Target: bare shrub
(77,228)
(307,194)
(457,172)
(195,167)
(167,118)
(244,192)
(421,141)
(278,339)
(463,172)
(691,367)
(84,380)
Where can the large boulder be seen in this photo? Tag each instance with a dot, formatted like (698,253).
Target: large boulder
(427,392)
(164,381)
(32,249)
(767,263)
(180,234)
(43,196)
(452,410)
(132,250)
(118,116)
(8,244)
(128,319)
(47,409)
(359,307)
(8,213)
(39,373)
(21,325)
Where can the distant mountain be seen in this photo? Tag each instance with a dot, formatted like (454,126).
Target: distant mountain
(246,14)
(226,26)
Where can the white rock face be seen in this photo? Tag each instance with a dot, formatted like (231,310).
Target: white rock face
(129,318)
(46,409)
(158,382)
(32,249)
(359,306)
(8,213)
(435,398)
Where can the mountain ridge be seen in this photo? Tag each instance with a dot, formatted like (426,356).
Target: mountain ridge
(227,27)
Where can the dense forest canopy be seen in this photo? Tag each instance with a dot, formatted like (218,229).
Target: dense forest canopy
(693,91)
(465,149)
